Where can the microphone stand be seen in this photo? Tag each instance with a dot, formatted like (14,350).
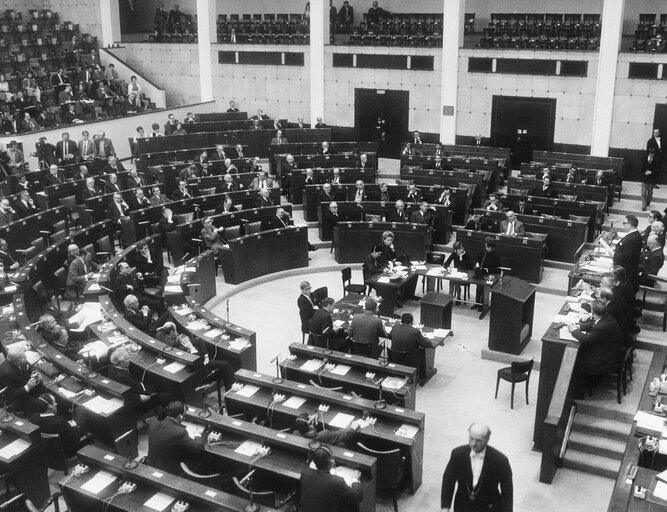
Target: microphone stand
(278,379)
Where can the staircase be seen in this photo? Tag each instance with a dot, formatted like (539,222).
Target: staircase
(597,440)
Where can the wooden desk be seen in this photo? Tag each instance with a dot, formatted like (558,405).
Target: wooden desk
(383,433)
(323,175)
(355,379)
(524,255)
(281,469)
(353,240)
(21,232)
(27,466)
(264,253)
(149,482)
(390,290)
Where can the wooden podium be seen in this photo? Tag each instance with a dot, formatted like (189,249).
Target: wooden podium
(511,321)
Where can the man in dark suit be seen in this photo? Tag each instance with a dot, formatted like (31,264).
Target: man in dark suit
(488,262)
(25,205)
(138,200)
(650,173)
(306,306)
(629,249)
(279,139)
(651,260)
(546,190)
(112,185)
(601,343)
(264,198)
(475,223)
(367,328)
(321,324)
(655,142)
(330,221)
(71,435)
(482,476)
(232,106)
(324,492)
(414,194)
(118,208)
(170,125)
(90,190)
(134,180)
(66,149)
(359,192)
(55,177)
(278,221)
(7,213)
(511,226)
(24,385)
(113,166)
(169,443)
(182,192)
(326,195)
(346,16)
(81,268)
(325,149)
(398,213)
(406,338)
(336,178)
(425,215)
(599,180)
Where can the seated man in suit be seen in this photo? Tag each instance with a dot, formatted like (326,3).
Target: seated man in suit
(182,192)
(188,173)
(599,180)
(150,266)
(446,198)
(118,208)
(111,184)
(367,328)
(125,282)
(90,190)
(573,176)
(492,204)
(279,139)
(212,237)
(511,226)
(71,433)
(7,213)
(278,221)
(138,200)
(336,178)
(81,269)
(157,198)
(239,151)
(546,190)
(57,336)
(23,383)
(226,207)
(55,176)
(601,344)
(264,198)
(320,490)
(384,193)
(330,221)
(414,194)
(398,213)
(261,181)
(406,338)
(651,260)
(114,167)
(360,192)
(309,178)
(143,397)
(229,185)
(475,223)
(169,443)
(25,205)
(325,149)
(8,263)
(364,163)
(425,215)
(321,324)
(523,207)
(326,195)
(230,167)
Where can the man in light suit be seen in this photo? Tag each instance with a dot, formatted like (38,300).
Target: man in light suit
(66,149)
(261,181)
(86,147)
(117,208)
(482,475)
(81,269)
(104,146)
(279,139)
(425,214)
(91,190)
(511,226)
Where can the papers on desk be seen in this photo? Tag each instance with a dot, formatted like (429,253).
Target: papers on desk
(66,393)
(8,310)
(184,311)
(98,482)
(648,423)
(294,402)
(95,348)
(11,288)
(31,356)
(173,288)
(341,369)
(312,365)
(350,475)
(94,286)
(174,367)
(660,491)
(415,263)
(338,323)
(193,429)
(442,333)
(383,279)
(565,334)
(458,275)
(249,448)
(435,272)
(393,383)
(341,420)
(198,325)
(213,333)
(89,314)
(570,318)
(14,448)
(117,339)
(419,267)
(247,391)
(409,431)
(238,344)
(101,405)
(175,276)
(159,501)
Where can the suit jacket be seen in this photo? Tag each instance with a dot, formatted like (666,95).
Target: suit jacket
(125,377)
(627,254)
(212,238)
(105,148)
(324,492)
(107,169)
(54,424)
(179,194)
(68,145)
(460,263)
(261,202)
(116,211)
(157,200)
(653,168)
(542,192)
(24,210)
(396,216)
(600,347)
(87,193)
(604,181)
(329,221)
(132,182)
(6,218)
(273,222)
(76,274)
(134,203)
(110,188)
(88,151)
(367,328)
(169,444)
(50,179)
(653,143)
(306,311)
(372,266)
(652,262)
(494,492)
(15,378)
(405,338)
(326,198)
(488,261)
(255,184)
(415,197)
(519,228)
(321,322)
(140,321)
(418,217)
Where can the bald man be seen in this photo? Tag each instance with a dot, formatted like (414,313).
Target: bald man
(482,475)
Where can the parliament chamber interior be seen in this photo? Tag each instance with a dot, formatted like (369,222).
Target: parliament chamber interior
(316,255)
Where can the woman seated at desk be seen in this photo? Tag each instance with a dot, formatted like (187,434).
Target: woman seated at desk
(462,262)
(488,262)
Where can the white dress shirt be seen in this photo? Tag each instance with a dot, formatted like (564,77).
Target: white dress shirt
(476,463)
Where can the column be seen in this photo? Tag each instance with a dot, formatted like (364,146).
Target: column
(452,40)
(110,16)
(610,43)
(206,34)
(319,34)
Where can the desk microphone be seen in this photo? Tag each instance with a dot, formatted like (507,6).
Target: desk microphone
(278,379)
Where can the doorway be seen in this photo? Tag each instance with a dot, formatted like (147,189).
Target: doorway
(382,115)
(659,120)
(523,124)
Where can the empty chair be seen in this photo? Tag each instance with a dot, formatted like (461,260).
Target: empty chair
(266,498)
(390,469)
(348,286)
(399,357)
(252,228)
(519,372)
(361,349)
(69,202)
